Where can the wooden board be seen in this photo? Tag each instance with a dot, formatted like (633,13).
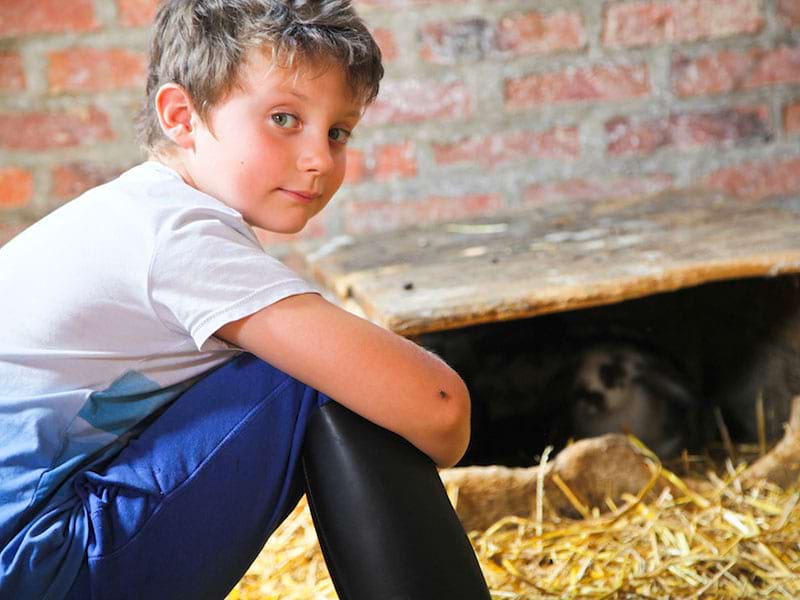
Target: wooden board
(554,258)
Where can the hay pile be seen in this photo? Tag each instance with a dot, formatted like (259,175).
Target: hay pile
(724,542)
(728,534)
(290,567)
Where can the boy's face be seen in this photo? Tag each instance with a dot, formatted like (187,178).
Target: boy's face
(274,148)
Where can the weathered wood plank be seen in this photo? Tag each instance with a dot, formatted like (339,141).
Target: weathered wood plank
(555,258)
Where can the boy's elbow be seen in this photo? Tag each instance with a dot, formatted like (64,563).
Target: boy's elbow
(454,429)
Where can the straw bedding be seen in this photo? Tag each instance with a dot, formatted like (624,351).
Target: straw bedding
(724,534)
(721,542)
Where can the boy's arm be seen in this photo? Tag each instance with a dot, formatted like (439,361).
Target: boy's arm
(383,377)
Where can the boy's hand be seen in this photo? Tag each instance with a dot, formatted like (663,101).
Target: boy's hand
(383,377)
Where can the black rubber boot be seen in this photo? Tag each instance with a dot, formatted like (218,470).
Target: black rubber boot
(384,522)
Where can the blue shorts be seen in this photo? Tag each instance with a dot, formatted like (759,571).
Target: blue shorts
(186,507)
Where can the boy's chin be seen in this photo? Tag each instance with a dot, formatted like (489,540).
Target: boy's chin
(289,229)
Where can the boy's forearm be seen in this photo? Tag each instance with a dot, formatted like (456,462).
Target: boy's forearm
(385,378)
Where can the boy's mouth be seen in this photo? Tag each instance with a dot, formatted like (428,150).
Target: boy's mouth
(301,195)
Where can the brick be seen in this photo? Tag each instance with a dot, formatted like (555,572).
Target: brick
(136,13)
(71,180)
(669,21)
(733,70)
(375,216)
(395,161)
(448,43)
(57,129)
(600,82)
(535,33)
(451,42)
(791,118)
(416,101)
(726,127)
(46,16)
(386,162)
(16,187)
(758,180)
(489,151)
(789,12)
(597,188)
(12,74)
(386,42)
(95,70)
(402,3)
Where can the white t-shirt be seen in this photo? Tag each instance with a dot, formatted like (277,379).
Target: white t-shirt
(114,296)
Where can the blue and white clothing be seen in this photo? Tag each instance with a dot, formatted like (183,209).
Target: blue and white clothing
(107,313)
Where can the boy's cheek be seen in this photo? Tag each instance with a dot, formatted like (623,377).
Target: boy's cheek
(337,184)
(340,173)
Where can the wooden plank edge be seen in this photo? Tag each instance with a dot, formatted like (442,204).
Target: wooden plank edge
(576,298)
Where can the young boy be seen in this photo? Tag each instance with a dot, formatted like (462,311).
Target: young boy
(157,367)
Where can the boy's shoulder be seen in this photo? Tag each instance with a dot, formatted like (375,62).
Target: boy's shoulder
(153,194)
(154,186)
(147,203)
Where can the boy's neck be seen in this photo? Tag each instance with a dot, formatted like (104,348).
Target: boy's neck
(174,162)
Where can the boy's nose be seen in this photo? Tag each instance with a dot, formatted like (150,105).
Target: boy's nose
(316,156)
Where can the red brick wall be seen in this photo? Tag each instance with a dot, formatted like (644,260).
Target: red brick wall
(487,104)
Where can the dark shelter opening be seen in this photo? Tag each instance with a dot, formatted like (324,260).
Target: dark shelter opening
(672,359)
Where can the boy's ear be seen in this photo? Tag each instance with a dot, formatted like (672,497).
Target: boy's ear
(175,111)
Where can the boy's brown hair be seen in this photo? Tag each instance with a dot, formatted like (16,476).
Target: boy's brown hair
(201,45)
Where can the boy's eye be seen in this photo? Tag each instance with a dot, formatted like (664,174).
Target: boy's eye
(339,135)
(284,120)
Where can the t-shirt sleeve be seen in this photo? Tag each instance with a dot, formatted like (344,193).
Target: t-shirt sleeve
(205,273)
